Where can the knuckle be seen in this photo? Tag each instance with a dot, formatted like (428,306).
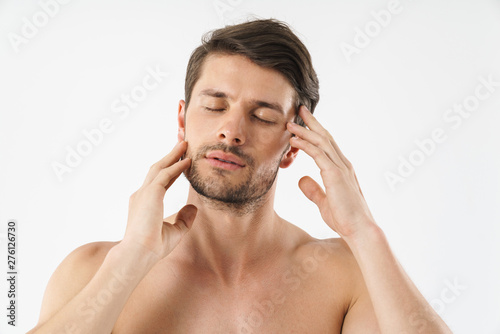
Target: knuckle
(154,166)
(133,197)
(331,169)
(325,141)
(349,165)
(137,194)
(315,152)
(336,173)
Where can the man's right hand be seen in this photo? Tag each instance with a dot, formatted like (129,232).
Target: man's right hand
(93,267)
(146,228)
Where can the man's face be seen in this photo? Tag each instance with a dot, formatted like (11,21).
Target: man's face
(235,127)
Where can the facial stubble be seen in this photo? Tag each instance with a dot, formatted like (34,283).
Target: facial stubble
(242,198)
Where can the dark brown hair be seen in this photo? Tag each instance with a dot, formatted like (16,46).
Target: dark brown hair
(268,43)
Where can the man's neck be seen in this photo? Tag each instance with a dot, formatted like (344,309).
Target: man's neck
(231,245)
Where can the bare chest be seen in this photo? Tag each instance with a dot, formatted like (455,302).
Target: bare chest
(285,301)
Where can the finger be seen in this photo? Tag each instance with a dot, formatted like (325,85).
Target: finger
(186,216)
(317,140)
(172,233)
(176,153)
(167,176)
(313,124)
(312,190)
(319,156)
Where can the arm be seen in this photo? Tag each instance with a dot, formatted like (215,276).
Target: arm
(393,298)
(397,303)
(70,307)
(76,299)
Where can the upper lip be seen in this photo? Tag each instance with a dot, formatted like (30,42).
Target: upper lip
(224,156)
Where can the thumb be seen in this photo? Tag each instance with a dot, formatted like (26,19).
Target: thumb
(186,217)
(173,233)
(312,190)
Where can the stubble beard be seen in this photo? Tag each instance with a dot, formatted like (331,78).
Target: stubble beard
(240,199)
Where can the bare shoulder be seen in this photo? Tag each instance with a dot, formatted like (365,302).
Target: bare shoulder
(334,261)
(334,253)
(331,269)
(72,275)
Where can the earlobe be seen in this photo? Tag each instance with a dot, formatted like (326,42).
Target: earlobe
(289,157)
(181,121)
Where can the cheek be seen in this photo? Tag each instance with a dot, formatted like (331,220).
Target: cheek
(271,146)
(196,130)
(273,140)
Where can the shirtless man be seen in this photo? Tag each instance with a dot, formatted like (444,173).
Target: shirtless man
(226,262)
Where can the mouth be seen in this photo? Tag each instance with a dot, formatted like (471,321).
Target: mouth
(234,163)
(224,160)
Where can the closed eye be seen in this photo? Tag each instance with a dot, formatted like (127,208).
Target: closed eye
(263,120)
(254,116)
(211,109)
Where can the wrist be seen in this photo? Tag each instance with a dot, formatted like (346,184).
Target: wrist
(371,233)
(132,253)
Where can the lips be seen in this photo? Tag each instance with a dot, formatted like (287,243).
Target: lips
(226,158)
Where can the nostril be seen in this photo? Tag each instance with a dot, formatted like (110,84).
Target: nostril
(228,136)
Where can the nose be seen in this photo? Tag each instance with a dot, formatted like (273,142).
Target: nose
(232,132)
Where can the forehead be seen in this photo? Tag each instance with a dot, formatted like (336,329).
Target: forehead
(240,78)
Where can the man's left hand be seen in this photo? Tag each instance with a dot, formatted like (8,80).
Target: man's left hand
(342,204)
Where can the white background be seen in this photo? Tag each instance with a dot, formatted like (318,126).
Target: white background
(442,221)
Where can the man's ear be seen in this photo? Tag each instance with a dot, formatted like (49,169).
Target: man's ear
(289,157)
(181,121)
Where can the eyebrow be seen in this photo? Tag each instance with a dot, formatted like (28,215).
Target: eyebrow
(263,104)
(213,93)
(274,106)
